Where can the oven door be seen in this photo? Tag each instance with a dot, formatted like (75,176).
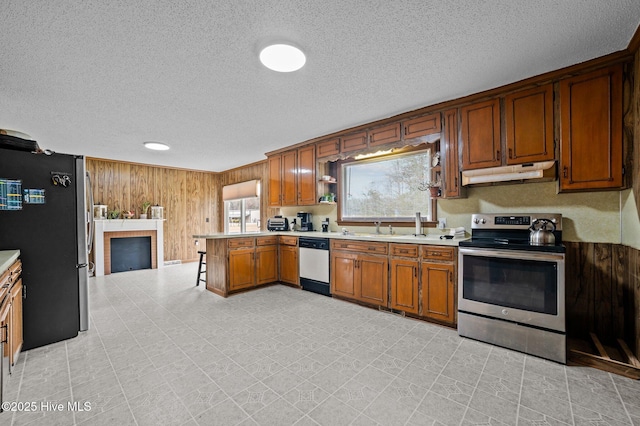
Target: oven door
(525,287)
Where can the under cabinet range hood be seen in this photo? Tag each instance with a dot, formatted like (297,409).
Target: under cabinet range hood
(506,173)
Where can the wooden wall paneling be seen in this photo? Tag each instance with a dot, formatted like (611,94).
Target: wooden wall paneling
(142,188)
(635,168)
(579,291)
(603,291)
(633,277)
(196,202)
(622,292)
(175,212)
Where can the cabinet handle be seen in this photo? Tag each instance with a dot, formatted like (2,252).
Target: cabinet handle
(338,146)
(498,155)
(450,278)
(436,253)
(565,171)
(510,153)
(455,180)
(415,272)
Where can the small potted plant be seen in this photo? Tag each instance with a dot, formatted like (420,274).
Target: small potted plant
(113,214)
(433,187)
(144,209)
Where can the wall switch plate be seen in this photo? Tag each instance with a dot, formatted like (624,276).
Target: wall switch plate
(442,223)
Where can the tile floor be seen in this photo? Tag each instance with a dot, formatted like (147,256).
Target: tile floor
(163,352)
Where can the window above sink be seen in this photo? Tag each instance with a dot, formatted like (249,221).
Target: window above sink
(389,188)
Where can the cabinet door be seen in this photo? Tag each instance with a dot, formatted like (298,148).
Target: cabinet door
(289,264)
(451,160)
(591,130)
(343,269)
(404,285)
(307,183)
(372,282)
(385,135)
(422,126)
(328,148)
(16,321)
(438,291)
(275,181)
(289,179)
(241,268)
(266,264)
(529,125)
(353,142)
(480,135)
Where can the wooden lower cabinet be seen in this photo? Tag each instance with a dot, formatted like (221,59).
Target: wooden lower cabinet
(16,321)
(289,264)
(404,285)
(371,279)
(241,268)
(438,291)
(343,274)
(358,275)
(266,264)
(11,291)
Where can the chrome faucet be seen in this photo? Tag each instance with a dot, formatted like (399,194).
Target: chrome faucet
(377,224)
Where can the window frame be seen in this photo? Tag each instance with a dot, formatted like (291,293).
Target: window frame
(405,222)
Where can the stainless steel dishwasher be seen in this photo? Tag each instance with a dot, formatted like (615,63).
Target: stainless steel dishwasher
(314,264)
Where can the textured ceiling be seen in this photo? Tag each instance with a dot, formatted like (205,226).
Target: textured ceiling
(99,77)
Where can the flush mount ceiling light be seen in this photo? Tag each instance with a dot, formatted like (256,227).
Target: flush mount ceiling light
(282,58)
(156,146)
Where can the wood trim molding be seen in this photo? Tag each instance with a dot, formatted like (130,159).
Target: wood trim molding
(108,160)
(634,43)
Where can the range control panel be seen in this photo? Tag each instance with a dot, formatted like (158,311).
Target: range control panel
(512,221)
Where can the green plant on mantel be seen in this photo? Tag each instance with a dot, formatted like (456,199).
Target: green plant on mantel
(145,207)
(113,214)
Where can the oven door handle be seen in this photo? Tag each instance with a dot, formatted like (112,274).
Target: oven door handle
(512,254)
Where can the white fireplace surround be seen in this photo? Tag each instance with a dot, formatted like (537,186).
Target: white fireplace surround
(125,225)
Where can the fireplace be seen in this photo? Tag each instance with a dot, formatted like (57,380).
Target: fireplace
(108,230)
(130,254)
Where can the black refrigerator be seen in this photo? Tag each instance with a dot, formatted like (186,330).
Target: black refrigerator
(43,213)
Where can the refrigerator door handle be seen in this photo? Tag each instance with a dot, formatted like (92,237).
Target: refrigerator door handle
(81,265)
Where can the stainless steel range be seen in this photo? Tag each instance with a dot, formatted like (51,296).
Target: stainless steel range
(511,285)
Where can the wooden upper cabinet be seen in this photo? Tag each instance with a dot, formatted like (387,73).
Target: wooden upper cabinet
(529,125)
(385,135)
(307,182)
(422,126)
(353,142)
(275,172)
(451,162)
(289,183)
(591,130)
(328,148)
(480,135)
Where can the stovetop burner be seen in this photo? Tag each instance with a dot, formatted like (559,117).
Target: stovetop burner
(511,232)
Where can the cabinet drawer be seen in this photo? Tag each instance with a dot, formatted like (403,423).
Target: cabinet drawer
(240,242)
(15,270)
(288,241)
(267,241)
(384,135)
(403,250)
(5,278)
(360,246)
(422,126)
(438,253)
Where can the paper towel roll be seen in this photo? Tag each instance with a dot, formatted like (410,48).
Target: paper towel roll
(418,224)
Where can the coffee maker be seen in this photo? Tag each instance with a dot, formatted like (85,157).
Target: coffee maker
(305,221)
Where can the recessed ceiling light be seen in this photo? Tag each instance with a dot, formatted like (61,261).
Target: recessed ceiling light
(282,58)
(156,146)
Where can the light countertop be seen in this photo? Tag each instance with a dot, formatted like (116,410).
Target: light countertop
(433,238)
(7,257)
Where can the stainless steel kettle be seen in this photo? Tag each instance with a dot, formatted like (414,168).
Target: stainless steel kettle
(540,234)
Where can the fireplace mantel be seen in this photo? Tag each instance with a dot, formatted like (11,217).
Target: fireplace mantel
(122,227)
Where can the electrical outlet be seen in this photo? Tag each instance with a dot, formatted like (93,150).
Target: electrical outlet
(442,223)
